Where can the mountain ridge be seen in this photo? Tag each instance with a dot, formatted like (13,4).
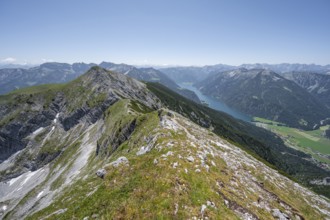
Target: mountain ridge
(53,72)
(150,75)
(151,158)
(196,74)
(266,94)
(315,83)
(40,106)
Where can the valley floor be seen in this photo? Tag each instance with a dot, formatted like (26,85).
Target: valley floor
(310,142)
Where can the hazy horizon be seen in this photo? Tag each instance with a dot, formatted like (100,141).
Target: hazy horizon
(29,65)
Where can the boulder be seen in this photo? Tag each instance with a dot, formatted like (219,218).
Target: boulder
(101,173)
(279,215)
(190,159)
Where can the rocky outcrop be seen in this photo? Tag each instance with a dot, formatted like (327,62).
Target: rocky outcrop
(119,161)
(90,115)
(101,173)
(114,140)
(13,134)
(280,215)
(23,118)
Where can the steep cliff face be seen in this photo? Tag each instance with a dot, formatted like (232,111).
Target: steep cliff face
(103,146)
(39,110)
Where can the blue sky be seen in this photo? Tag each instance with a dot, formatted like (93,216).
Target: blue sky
(157,32)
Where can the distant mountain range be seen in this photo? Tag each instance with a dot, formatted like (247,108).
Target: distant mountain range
(266,94)
(287,67)
(12,65)
(15,78)
(196,74)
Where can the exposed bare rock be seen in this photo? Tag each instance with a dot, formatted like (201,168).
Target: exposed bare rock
(119,161)
(101,173)
(191,159)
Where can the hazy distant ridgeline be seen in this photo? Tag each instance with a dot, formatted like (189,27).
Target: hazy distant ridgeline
(196,74)
(19,76)
(15,78)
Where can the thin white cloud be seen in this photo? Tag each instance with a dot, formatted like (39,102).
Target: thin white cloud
(44,60)
(9,60)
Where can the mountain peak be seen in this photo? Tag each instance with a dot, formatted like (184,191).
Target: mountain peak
(266,94)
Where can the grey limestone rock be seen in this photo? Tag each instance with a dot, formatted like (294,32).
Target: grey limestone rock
(119,161)
(101,173)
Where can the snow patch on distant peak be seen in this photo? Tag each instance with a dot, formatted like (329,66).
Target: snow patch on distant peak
(321,90)
(232,73)
(286,88)
(275,78)
(311,88)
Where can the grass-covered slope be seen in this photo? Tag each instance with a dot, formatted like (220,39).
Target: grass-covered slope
(177,170)
(259,142)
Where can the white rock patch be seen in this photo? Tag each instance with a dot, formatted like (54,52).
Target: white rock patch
(191,159)
(169,124)
(119,161)
(39,194)
(38,131)
(142,150)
